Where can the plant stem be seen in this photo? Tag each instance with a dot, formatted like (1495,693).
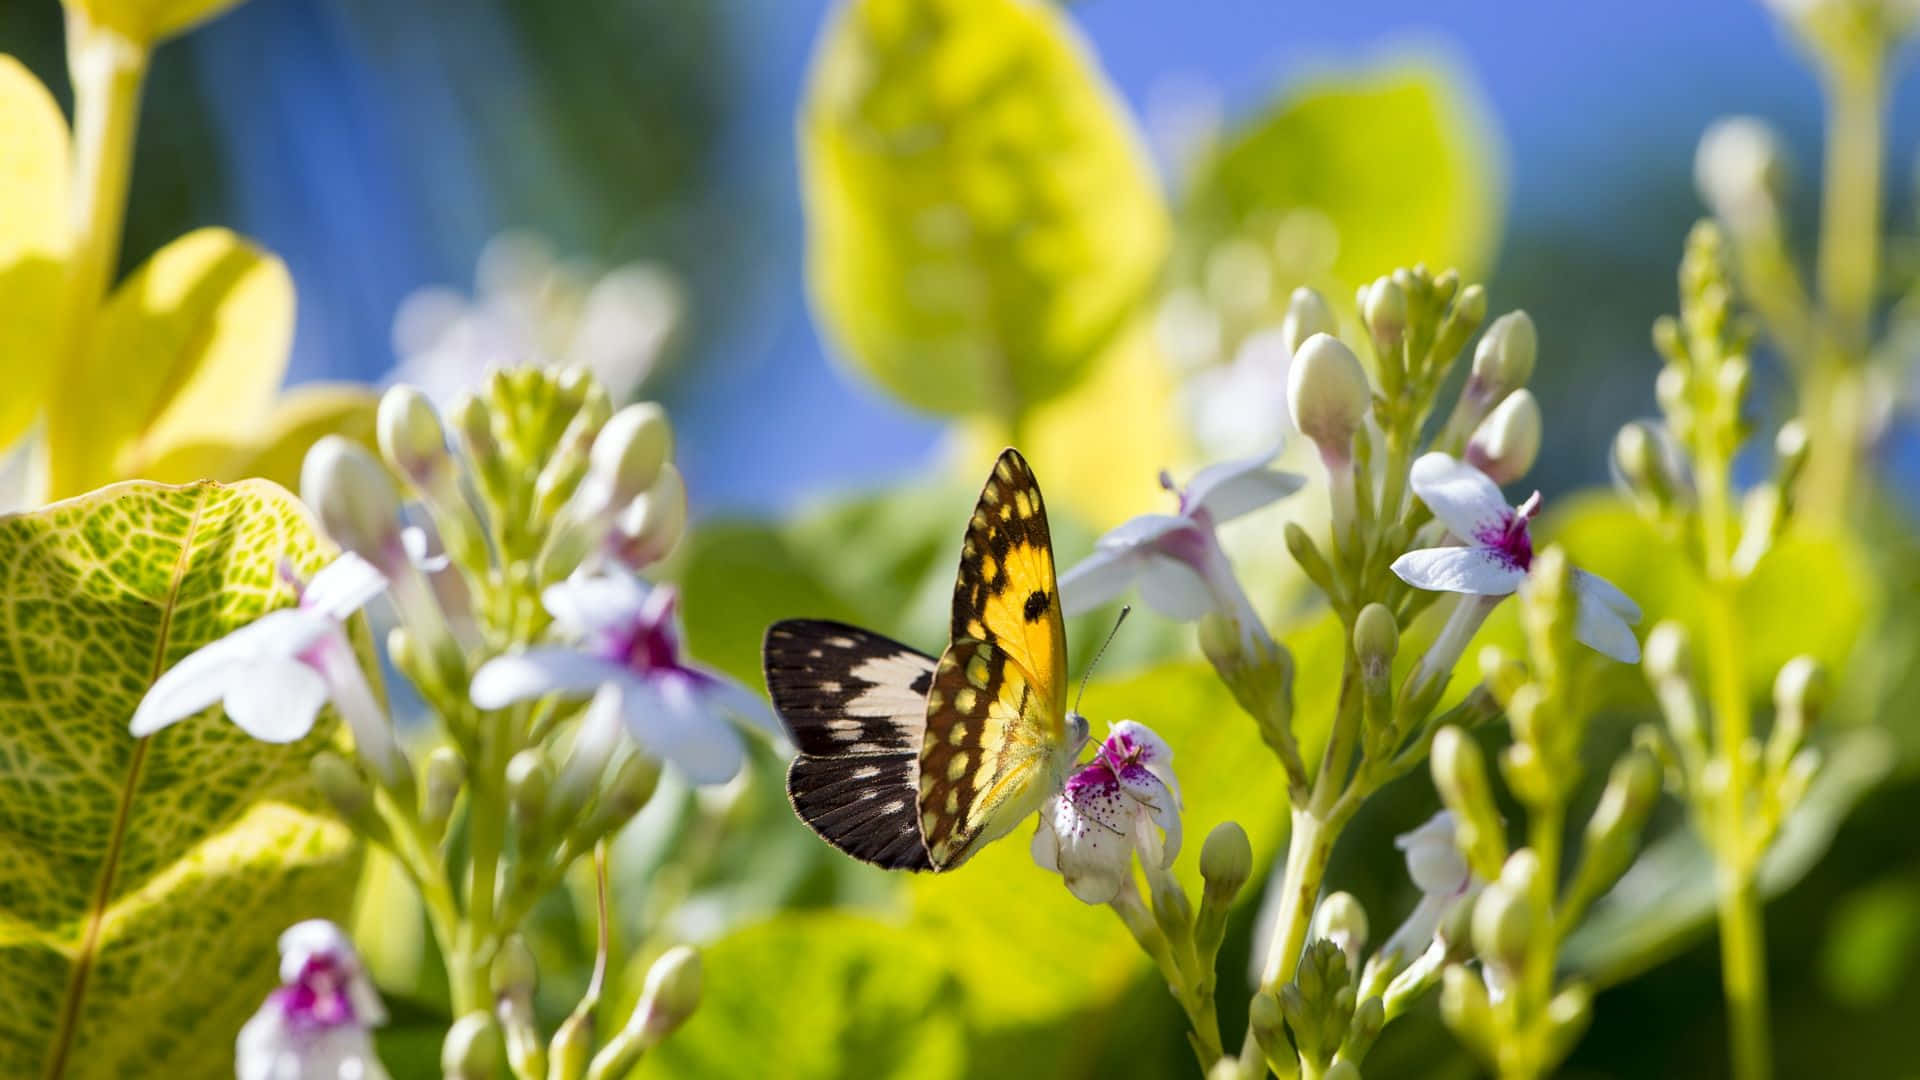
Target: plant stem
(1743,972)
(1309,848)
(107,72)
(1848,271)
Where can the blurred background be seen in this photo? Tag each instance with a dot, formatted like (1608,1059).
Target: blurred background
(429,170)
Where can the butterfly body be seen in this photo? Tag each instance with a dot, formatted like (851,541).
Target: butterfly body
(915,763)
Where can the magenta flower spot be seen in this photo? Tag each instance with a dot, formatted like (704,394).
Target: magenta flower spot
(1123,801)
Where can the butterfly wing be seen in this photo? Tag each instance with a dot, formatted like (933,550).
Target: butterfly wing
(1006,594)
(855,704)
(986,761)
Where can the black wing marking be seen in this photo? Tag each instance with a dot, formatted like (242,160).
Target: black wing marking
(855,704)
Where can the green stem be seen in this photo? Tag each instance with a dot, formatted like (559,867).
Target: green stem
(1848,272)
(1743,972)
(107,72)
(1309,848)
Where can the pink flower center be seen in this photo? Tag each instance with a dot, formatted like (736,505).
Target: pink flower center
(1511,541)
(318,998)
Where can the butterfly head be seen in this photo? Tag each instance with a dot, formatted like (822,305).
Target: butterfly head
(1077,732)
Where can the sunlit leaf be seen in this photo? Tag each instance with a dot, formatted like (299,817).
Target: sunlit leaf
(299,418)
(189,350)
(143,881)
(823,996)
(982,219)
(33,242)
(150,21)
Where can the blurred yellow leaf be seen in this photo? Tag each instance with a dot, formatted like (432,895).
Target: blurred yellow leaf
(1101,447)
(189,350)
(33,241)
(148,22)
(298,419)
(982,219)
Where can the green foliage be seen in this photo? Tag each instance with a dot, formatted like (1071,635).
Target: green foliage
(981,217)
(143,881)
(1345,176)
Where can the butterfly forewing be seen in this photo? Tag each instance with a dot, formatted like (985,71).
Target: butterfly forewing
(855,704)
(1006,594)
(986,757)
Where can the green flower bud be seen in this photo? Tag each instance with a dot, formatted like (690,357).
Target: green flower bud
(1468,311)
(650,526)
(446,774)
(1633,787)
(1307,554)
(1341,1070)
(1460,773)
(572,1045)
(347,792)
(355,500)
(1328,395)
(1790,453)
(1172,909)
(1385,312)
(1226,862)
(1464,1007)
(1668,654)
(1341,920)
(1369,1017)
(410,435)
(1503,361)
(1802,687)
(627,457)
(529,779)
(513,977)
(672,993)
(1307,315)
(472,1048)
(1502,922)
(514,973)
(1501,673)
(1267,1018)
(631,785)
(1376,635)
(1507,442)
(1568,1014)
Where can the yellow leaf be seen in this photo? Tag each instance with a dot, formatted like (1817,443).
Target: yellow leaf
(276,450)
(33,241)
(189,350)
(147,22)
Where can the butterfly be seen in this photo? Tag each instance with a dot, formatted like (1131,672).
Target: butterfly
(914,763)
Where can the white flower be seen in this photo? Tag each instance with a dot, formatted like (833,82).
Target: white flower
(1176,558)
(1498,551)
(630,643)
(1125,800)
(1441,874)
(315,1026)
(275,673)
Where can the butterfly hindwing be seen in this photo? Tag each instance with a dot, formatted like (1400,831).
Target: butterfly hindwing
(855,704)
(986,758)
(1006,594)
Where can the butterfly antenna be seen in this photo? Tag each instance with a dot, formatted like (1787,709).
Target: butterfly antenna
(1088,674)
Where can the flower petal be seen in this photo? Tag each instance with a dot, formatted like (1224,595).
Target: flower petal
(1091,826)
(1607,593)
(1473,570)
(1229,489)
(203,676)
(343,586)
(548,669)
(419,548)
(1461,496)
(1601,628)
(1046,842)
(1149,750)
(593,604)
(667,718)
(1433,860)
(1174,588)
(275,700)
(745,706)
(1097,579)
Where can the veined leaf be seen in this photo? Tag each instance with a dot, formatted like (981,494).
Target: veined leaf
(33,241)
(981,216)
(189,350)
(143,881)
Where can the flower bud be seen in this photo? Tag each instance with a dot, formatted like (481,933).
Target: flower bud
(1507,442)
(1385,312)
(354,498)
(627,457)
(528,781)
(1307,315)
(1468,311)
(1568,1013)
(1258,671)
(472,1048)
(446,773)
(1465,1008)
(1267,1018)
(1790,452)
(631,785)
(514,973)
(1802,687)
(410,434)
(1172,909)
(1667,652)
(1460,773)
(672,993)
(1226,862)
(1503,361)
(1328,395)
(1344,1069)
(1502,923)
(1376,635)
(1633,787)
(1341,920)
(652,524)
(1740,172)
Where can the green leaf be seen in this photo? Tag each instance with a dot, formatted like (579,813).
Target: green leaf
(143,881)
(33,242)
(982,219)
(194,345)
(823,995)
(1345,177)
